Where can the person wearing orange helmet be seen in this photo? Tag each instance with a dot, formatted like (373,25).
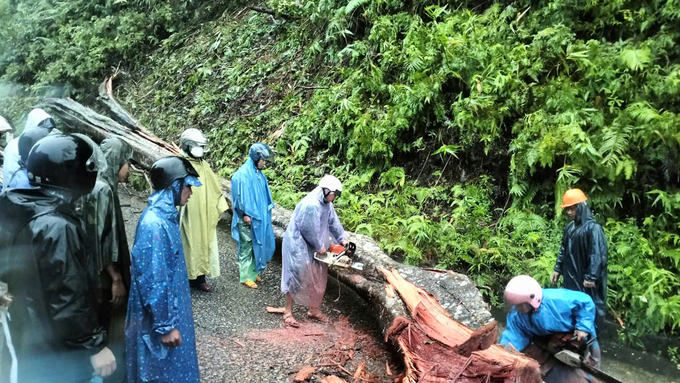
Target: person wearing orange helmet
(537,312)
(582,259)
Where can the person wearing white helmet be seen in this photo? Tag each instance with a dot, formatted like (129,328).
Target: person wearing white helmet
(36,118)
(537,312)
(199,217)
(310,229)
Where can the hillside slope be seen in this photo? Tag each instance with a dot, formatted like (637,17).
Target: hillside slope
(455,125)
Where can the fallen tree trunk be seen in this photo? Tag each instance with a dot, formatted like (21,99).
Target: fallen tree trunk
(453,295)
(438,348)
(75,117)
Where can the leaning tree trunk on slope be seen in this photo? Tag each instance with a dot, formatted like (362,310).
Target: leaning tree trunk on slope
(456,293)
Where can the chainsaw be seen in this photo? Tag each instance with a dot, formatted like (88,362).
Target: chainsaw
(340,256)
(573,353)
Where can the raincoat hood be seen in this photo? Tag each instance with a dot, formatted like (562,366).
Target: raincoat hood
(117,152)
(583,214)
(259,151)
(165,201)
(35,117)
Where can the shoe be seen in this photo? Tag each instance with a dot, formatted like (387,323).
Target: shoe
(258,279)
(204,287)
(250,284)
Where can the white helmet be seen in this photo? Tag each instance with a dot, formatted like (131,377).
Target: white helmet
(331,183)
(193,142)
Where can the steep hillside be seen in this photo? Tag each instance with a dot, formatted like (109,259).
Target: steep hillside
(455,125)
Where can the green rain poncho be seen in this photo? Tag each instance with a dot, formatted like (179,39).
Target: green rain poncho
(103,215)
(199,218)
(105,228)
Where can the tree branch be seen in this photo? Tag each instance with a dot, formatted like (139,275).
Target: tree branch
(269,12)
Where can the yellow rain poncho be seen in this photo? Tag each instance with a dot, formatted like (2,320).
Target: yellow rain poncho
(198,220)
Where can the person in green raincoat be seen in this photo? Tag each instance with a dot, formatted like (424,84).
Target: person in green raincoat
(199,217)
(108,245)
(251,224)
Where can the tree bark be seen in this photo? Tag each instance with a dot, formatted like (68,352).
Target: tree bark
(450,297)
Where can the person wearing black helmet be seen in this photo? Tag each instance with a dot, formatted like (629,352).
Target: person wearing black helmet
(54,325)
(160,344)
(199,217)
(105,229)
(26,142)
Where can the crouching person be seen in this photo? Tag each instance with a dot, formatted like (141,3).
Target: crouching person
(536,312)
(160,344)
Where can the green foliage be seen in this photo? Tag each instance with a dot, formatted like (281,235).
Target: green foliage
(65,48)
(455,126)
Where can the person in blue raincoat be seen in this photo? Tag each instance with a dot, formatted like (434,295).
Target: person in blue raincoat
(311,226)
(537,312)
(160,344)
(251,224)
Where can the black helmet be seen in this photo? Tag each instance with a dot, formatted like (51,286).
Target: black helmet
(64,162)
(29,138)
(166,170)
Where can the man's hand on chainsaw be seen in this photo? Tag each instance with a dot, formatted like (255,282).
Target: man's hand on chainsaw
(322,251)
(344,243)
(580,335)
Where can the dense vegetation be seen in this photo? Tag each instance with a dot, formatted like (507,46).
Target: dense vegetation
(455,125)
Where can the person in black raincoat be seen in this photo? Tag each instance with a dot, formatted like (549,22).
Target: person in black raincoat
(105,230)
(582,259)
(54,324)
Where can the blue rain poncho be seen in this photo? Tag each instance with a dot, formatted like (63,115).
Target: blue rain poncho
(313,223)
(251,196)
(159,299)
(561,310)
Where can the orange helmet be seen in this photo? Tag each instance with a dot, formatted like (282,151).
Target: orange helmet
(573,197)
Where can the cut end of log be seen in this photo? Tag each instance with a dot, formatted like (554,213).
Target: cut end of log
(437,347)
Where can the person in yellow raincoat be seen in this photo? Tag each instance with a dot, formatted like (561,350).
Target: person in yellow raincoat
(199,217)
